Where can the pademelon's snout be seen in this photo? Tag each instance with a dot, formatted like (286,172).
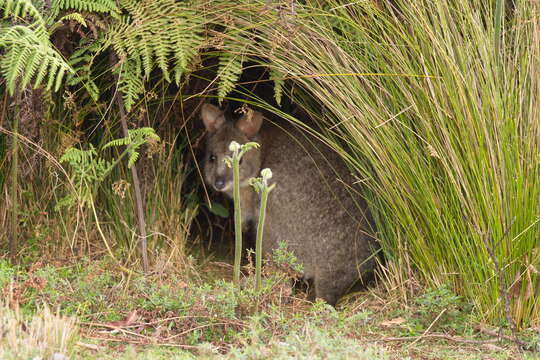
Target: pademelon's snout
(219,183)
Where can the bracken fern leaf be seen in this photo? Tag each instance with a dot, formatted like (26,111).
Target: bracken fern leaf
(99,6)
(277,77)
(131,82)
(24,50)
(163,34)
(21,9)
(229,71)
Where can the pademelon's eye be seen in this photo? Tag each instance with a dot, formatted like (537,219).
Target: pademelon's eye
(212,157)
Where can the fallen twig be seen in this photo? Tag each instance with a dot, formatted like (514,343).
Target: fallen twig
(429,328)
(500,335)
(130,341)
(438,336)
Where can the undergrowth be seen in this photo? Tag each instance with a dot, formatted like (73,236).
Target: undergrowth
(104,314)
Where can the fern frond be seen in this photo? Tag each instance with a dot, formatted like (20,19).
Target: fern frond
(131,82)
(163,34)
(134,140)
(135,137)
(162,51)
(277,77)
(133,157)
(118,142)
(101,6)
(145,49)
(24,51)
(66,202)
(229,71)
(143,133)
(81,61)
(87,171)
(22,9)
(75,17)
(186,45)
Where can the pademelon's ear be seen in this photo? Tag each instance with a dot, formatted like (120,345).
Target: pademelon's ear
(212,117)
(250,123)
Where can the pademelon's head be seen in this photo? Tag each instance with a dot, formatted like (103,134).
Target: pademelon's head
(221,132)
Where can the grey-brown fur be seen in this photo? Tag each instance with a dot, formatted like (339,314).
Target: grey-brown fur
(321,222)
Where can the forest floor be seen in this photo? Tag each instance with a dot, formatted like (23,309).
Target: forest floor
(101,312)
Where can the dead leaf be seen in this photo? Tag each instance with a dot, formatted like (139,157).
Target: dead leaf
(130,319)
(393,322)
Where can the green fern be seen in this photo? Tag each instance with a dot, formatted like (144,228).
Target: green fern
(277,77)
(27,56)
(229,71)
(88,170)
(75,17)
(161,34)
(135,139)
(22,9)
(99,6)
(187,43)
(82,61)
(130,81)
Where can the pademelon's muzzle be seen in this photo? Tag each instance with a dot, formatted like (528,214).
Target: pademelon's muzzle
(219,183)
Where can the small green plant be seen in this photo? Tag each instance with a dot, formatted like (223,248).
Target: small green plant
(234,161)
(261,186)
(89,169)
(286,259)
(441,309)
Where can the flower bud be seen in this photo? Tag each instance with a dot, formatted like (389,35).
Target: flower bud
(234,146)
(266,173)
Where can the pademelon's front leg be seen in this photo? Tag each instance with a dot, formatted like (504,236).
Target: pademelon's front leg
(332,282)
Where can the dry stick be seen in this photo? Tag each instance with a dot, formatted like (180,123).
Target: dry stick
(14,223)
(88,346)
(438,336)
(193,329)
(157,322)
(129,341)
(429,328)
(136,183)
(499,335)
(137,189)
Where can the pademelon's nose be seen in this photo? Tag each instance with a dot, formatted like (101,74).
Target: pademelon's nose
(219,184)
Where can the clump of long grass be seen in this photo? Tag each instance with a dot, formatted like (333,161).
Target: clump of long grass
(63,231)
(170,211)
(45,336)
(434,104)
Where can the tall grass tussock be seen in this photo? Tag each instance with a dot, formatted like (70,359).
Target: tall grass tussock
(45,336)
(434,104)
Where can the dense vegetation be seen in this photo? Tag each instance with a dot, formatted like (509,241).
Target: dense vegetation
(433,104)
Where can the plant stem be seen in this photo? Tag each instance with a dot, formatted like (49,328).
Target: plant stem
(258,242)
(138,193)
(14,224)
(136,183)
(237,220)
